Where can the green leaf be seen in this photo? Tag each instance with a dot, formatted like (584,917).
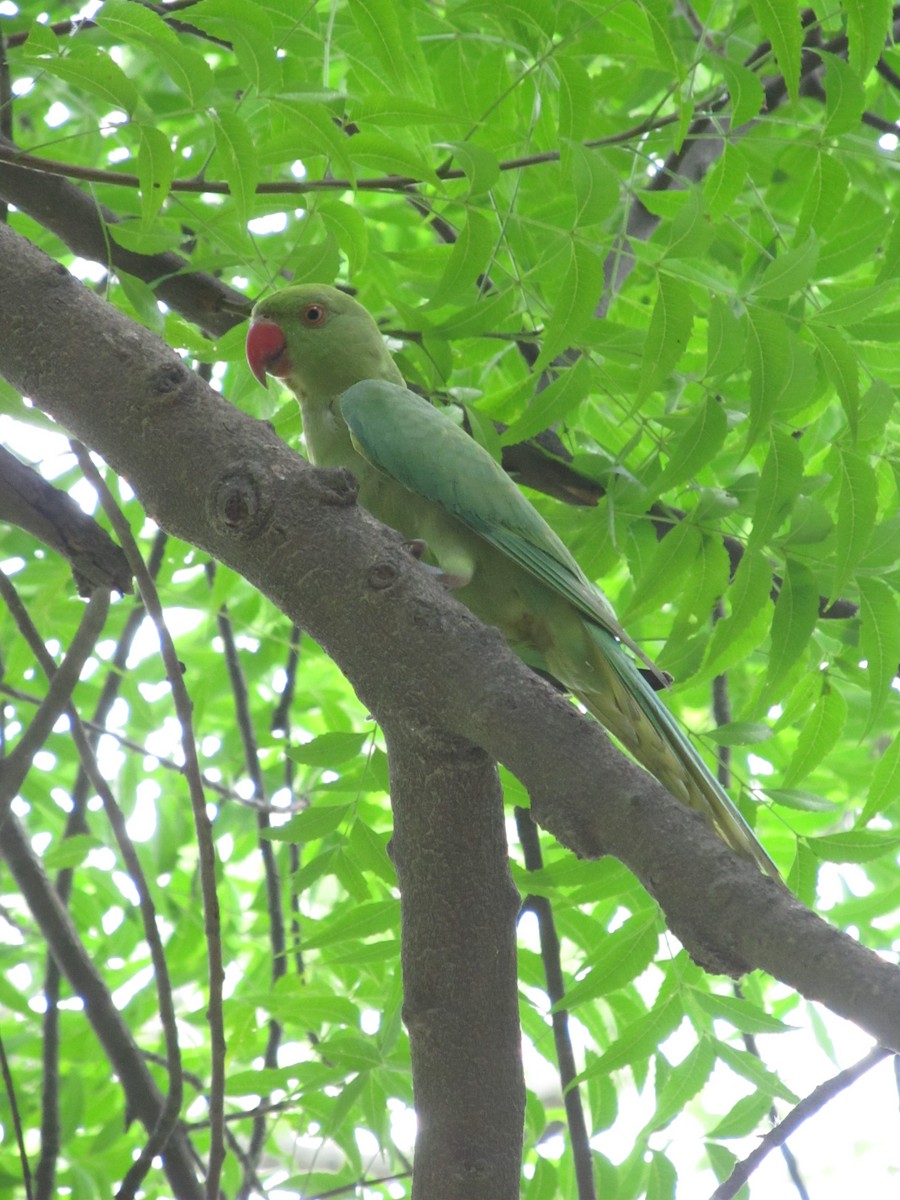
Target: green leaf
(857,845)
(879,640)
(819,734)
(724,182)
(658,13)
(856,513)
(480,166)
(790,272)
(825,192)
(857,304)
(312,823)
(575,98)
(666,573)
(868,25)
(640,1039)
(744,89)
(69,852)
(884,790)
(91,70)
(779,485)
(770,361)
(726,338)
(140,25)
(683,1084)
(309,127)
(155,171)
(739,733)
(469,257)
(348,227)
(841,367)
(378,22)
(142,299)
(744,1117)
(750,1067)
(578,296)
(845,97)
(751,609)
(552,404)
(624,954)
(247,26)
(668,334)
(237,155)
(799,800)
(156,239)
(595,186)
(780,22)
(376,154)
(662,1178)
(329,749)
(362,921)
(694,447)
(793,622)
(315,262)
(742,1014)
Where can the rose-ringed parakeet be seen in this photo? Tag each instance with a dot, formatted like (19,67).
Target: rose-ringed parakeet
(420,473)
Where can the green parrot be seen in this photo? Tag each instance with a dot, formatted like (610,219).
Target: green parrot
(420,473)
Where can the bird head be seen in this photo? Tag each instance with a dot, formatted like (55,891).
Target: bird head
(317,339)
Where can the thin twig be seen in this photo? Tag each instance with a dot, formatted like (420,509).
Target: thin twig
(808,1107)
(10,1090)
(206,849)
(565,1054)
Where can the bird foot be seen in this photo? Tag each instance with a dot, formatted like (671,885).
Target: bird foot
(417,548)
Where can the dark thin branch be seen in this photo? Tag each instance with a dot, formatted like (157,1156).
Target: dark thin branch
(9,1088)
(285,187)
(813,1103)
(82,224)
(168,764)
(270,868)
(72,26)
(45,1172)
(28,501)
(63,681)
(169,1112)
(565,1055)
(206,848)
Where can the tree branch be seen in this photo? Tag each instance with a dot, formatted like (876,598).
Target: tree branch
(414,655)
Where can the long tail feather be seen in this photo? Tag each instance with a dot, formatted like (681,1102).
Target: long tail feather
(628,707)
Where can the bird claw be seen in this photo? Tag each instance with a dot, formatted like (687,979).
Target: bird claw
(416,547)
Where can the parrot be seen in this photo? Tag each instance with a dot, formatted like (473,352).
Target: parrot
(420,473)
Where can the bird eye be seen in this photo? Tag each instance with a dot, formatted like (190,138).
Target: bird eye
(314,315)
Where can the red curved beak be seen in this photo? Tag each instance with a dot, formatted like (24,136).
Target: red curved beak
(266,347)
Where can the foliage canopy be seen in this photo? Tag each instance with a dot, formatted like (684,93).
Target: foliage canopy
(663,240)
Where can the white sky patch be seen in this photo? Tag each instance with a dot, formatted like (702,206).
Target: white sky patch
(120,154)
(101,858)
(23,86)
(109,122)
(57,114)
(84,270)
(759,766)
(271,223)
(112,919)
(141,825)
(179,621)
(298,170)
(889,142)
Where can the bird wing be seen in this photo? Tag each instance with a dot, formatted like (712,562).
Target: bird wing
(405,437)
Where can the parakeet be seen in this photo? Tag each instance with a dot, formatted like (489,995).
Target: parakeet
(420,473)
